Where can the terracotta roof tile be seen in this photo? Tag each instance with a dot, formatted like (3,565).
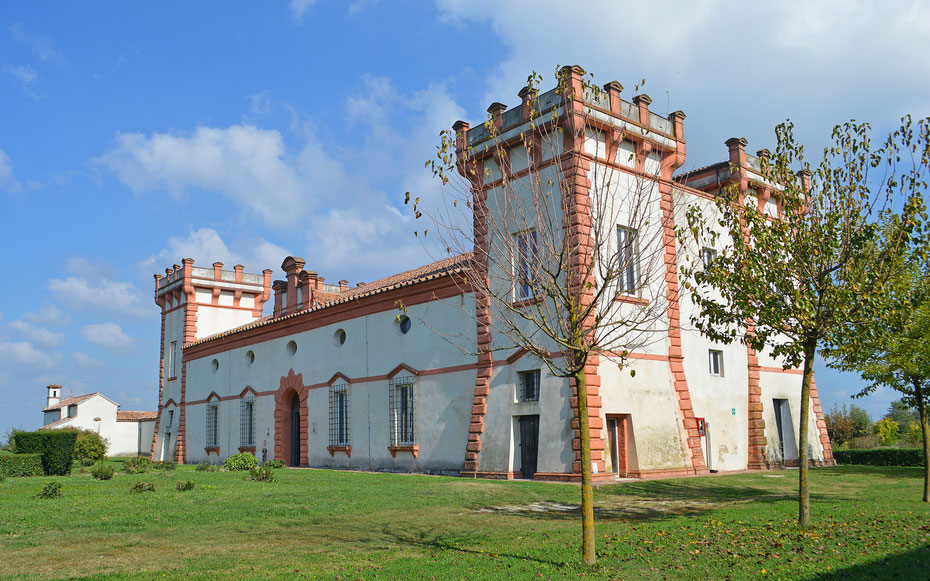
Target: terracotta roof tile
(135,416)
(70,401)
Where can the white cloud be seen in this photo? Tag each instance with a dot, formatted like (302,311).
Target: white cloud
(84,360)
(298,7)
(47,315)
(27,78)
(108,335)
(102,295)
(42,46)
(245,163)
(37,334)
(206,246)
(260,103)
(7,179)
(735,68)
(26,355)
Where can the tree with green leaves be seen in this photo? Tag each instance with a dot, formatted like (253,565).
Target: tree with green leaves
(563,249)
(892,349)
(819,269)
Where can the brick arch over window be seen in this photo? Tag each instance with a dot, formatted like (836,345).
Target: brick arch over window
(290,384)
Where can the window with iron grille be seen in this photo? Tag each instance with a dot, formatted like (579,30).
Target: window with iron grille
(401,396)
(628,257)
(339,414)
(213,424)
(529,385)
(247,421)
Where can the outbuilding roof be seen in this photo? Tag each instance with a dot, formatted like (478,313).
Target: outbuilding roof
(135,416)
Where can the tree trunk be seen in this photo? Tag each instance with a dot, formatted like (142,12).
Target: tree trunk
(925,432)
(804,493)
(587,490)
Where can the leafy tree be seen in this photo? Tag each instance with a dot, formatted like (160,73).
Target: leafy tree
(539,243)
(887,432)
(862,422)
(840,425)
(902,414)
(793,283)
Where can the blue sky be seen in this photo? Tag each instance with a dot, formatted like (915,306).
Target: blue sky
(134,135)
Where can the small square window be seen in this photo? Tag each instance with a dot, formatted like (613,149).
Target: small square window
(528,385)
(707,256)
(715,362)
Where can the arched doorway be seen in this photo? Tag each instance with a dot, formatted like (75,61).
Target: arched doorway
(294,432)
(291,421)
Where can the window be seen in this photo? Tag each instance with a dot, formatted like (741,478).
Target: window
(72,410)
(708,255)
(715,362)
(247,421)
(526,264)
(213,424)
(628,260)
(401,401)
(339,414)
(170,419)
(172,360)
(528,385)
(404,324)
(771,206)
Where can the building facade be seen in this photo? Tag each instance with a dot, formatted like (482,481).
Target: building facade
(371,377)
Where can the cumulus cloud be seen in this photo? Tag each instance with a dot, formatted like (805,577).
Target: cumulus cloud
(206,246)
(84,360)
(47,315)
(109,335)
(735,68)
(37,334)
(25,355)
(248,164)
(100,294)
(27,78)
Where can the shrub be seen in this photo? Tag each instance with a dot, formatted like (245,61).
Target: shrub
(205,467)
(887,431)
(275,464)
(88,462)
(185,485)
(241,461)
(141,486)
(2,477)
(840,426)
(261,473)
(881,457)
(55,446)
(136,465)
(913,435)
(102,471)
(21,465)
(51,490)
(164,465)
(90,446)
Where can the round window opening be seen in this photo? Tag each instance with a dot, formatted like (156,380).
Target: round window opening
(291,347)
(250,357)
(404,324)
(215,365)
(340,337)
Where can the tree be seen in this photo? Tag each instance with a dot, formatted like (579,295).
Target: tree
(840,426)
(792,283)
(892,349)
(563,228)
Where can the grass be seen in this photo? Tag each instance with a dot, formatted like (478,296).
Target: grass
(868,522)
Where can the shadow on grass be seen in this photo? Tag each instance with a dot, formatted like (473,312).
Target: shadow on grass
(883,471)
(455,542)
(911,565)
(680,489)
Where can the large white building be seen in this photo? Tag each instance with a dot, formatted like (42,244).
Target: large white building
(129,433)
(338,377)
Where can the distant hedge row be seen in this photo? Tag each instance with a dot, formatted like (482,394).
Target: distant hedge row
(881,457)
(55,446)
(21,465)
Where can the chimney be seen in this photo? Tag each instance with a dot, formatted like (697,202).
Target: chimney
(292,266)
(528,97)
(495,111)
(217,270)
(280,289)
(238,269)
(613,90)
(643,101)
(54,395)
(342,285)
(737,149)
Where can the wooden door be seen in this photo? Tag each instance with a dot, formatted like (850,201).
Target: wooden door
(529,445)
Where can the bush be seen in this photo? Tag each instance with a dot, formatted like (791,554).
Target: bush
(887,431)
(51,490)
(881,457)
(913,435)
(275,464)
(136,465)
(88,462)
(55,446)
(90,446)
(141,486)
(205,467)
(185,485)
(21,465)
(261,473)
(164,465)
(102,471)
(241,461)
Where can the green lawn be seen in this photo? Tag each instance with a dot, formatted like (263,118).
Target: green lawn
(329,524)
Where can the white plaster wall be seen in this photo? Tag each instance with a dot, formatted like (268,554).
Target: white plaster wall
(212,320)
(786,386)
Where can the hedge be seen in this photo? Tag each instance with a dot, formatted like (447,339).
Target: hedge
(55,446)
(21,465)
(881,457)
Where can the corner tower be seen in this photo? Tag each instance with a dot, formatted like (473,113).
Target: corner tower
(196,302)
